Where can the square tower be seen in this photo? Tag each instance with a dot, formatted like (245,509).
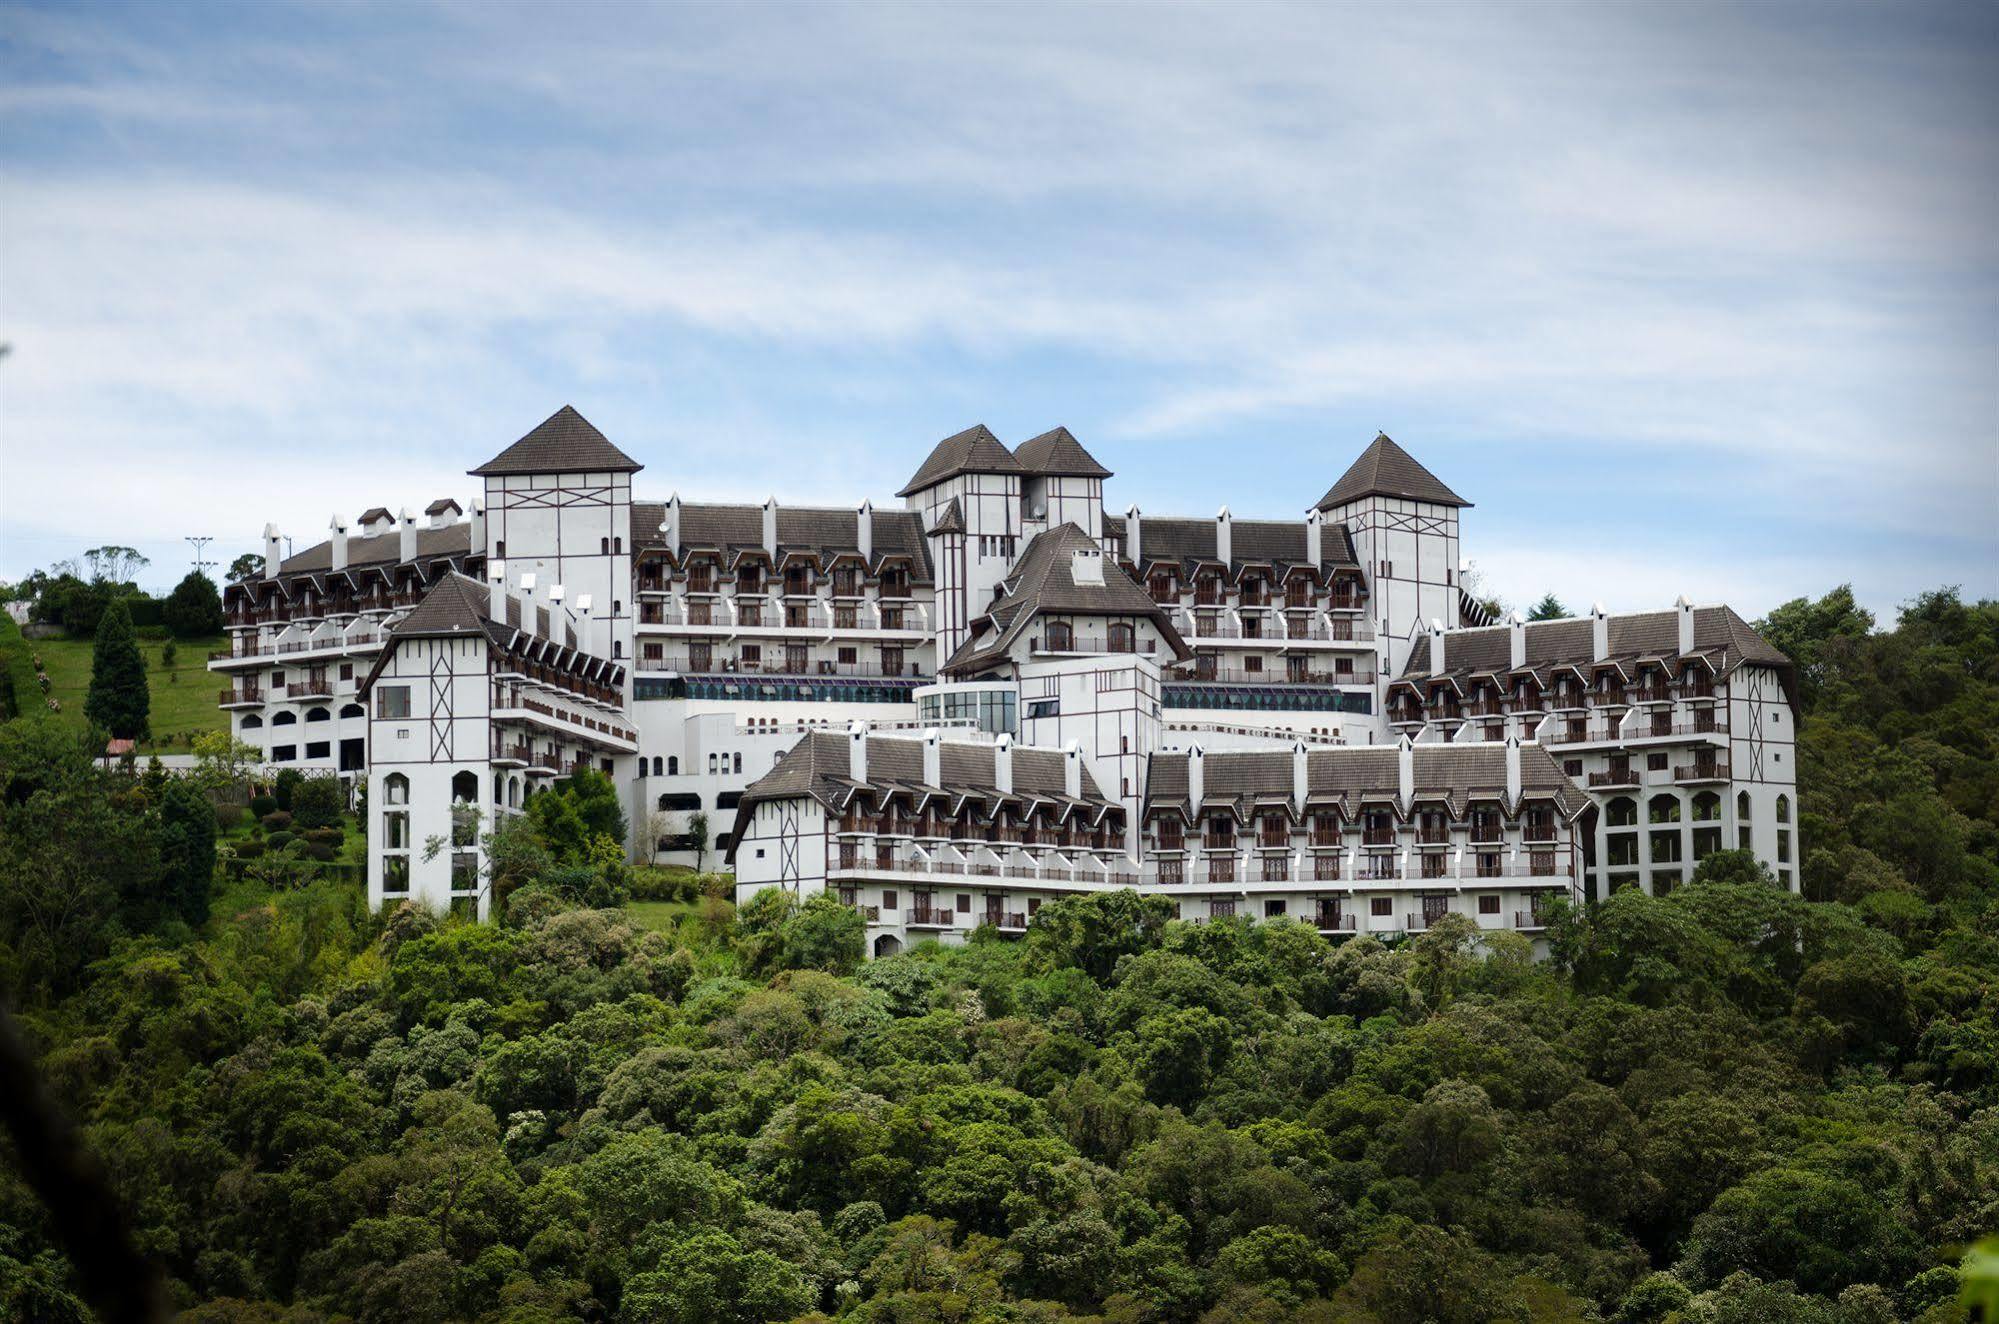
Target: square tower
(559,507)
(1404,525)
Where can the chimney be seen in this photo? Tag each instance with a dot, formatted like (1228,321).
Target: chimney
(336,542)
(476,542)
(1599,633)
(1512,771)
(1072,769)
(496,590)
(584,630)
(274,551)
(1686,619)
(555,617)
(669,525)
(857,751)
(406,551)
(1299,781)
(1132,552)
(1516,639)
(770,528)
(1003,764)
(1313,521)
(442,513)
(1436,647)
(933,757)
(864,532)
(1195,785)
(1405,772)
(1224,537)
(530,618)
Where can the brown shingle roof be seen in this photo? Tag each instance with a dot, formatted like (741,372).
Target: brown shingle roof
(453,541)
(975,450)
(564,443)
(824,531)
(1058,454)
(1165,538)
(1238,778)
(817,766)
(1044,581)
(1644,634)
(1385,469)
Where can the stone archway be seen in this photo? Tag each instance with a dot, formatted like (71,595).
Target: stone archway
(887,945)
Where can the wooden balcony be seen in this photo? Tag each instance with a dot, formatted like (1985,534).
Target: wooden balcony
(1703,771)
(924,917)
(1614,777)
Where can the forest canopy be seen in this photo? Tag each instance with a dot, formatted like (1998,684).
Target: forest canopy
(1727,1104)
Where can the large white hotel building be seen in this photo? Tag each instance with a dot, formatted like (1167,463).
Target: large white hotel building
(992,692)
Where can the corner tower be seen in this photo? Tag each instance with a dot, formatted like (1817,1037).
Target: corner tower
(559,507)
(1404,525)
(968,493)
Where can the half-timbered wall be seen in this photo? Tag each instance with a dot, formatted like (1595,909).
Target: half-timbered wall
(574,530)
(428,726)
(1409,551)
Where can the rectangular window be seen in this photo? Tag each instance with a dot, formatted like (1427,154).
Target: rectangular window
(395,873)
(1655,762)
(1381,905)
(284,753)
(392,701)
(888,900)
(1488,905)
(1665,848)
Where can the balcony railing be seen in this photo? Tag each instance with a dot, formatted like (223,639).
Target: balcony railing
(1615,777)
(1202,675)
(241,694)
(809,667)
(1716,771)
(924,917)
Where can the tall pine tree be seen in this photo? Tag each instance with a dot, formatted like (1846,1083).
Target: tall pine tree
(187,850)
(118,699)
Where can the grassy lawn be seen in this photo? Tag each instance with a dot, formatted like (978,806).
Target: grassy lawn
(183,695)
(660,916)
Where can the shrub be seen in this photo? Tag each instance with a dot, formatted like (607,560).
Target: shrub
(263,806)
(249,849)
(318,801)
(324,836)
(287,783)
(276,821)
(319,850)
(659,885)
(278,840)
(230,817)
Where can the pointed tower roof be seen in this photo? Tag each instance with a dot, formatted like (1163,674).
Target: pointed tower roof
(565,443)
(1385,469)
(1058,454)
(975,450)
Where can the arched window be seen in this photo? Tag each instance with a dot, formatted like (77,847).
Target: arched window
(1665,809)
(465,787)
(252,721)
(1059,637)
(712,768)
(1707,807)
(318,715)
(353,710)
(286,718)
(738,761)
(1742,806)
(1123,638)
(657,765)
(673,765)
(395,789)
(1621,812)
(1783,809)
(513,793)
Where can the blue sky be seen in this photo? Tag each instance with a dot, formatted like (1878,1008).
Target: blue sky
(1685,298)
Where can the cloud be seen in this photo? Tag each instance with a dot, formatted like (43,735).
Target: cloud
(310,241)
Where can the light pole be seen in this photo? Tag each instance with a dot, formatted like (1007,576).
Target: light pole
(200,545)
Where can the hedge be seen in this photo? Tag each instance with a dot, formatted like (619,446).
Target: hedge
(19,692)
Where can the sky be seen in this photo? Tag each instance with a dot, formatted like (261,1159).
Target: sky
(1685,298)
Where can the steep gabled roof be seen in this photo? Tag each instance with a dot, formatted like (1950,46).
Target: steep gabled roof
(951,521)
(1351,774)
(1385,469)
(1058,454)
(565,443)
(1044,581)
(974,451)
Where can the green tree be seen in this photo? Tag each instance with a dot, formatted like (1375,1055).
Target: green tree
(318,802)
(187,849)
(1549,608)
(194,609)
(1815,635)
(697,837)
(1091,932)
(247,566)
(118,700)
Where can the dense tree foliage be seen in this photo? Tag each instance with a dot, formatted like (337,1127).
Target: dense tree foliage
(118,700)
(194,609)
(1727,1104)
